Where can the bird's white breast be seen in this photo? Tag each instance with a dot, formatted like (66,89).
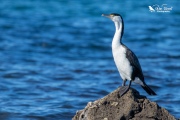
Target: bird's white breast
(122,63)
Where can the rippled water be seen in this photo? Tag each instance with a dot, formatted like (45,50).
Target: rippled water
(56,55)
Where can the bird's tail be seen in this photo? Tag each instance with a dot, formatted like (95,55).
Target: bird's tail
(148,89)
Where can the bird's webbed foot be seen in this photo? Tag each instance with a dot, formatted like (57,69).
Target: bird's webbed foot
(123,90)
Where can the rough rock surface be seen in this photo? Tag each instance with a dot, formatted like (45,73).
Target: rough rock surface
(131,106)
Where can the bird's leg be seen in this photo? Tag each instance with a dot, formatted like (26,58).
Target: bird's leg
(124,83)
(124,89)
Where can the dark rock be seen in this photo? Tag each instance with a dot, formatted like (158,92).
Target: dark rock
(131,106)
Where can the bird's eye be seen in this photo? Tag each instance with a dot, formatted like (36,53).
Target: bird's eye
(111,15)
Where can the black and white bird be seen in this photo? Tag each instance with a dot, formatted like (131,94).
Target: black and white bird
(126,61)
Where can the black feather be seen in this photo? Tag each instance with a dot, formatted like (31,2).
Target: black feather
(134,62)
(148,90)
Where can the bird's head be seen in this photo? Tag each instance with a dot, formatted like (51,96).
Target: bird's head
(113,16)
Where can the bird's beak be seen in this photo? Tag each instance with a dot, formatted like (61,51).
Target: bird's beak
(106,15)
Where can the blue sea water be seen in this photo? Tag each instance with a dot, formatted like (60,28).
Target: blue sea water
(56,55)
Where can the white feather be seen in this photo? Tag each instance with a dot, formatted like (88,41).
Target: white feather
(119,52)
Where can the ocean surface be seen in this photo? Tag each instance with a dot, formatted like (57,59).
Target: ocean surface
(55,55)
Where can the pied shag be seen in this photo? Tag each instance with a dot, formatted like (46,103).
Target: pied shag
(126,61)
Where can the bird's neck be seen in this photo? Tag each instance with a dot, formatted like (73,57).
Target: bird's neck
(118,35)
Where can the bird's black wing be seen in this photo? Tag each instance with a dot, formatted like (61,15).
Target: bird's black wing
(137,71)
